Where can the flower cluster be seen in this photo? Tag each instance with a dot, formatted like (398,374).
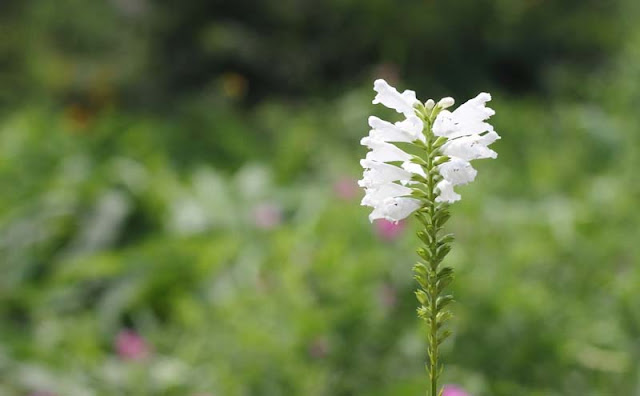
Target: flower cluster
(456,137)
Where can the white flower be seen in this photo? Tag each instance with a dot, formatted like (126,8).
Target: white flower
(395,209)
(429,104)
(388,187)
(377,173)
(468,136)
(457,171)
(391,98)
(406,131)
(388,199)
(468,119)
(377,195)
(446,192)
(445,103)
(383,152)
(413,168)
(471,147)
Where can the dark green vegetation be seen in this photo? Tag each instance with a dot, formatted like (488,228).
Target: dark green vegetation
(170,169)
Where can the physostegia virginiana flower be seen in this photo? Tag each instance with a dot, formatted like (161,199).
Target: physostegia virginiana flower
(412,167)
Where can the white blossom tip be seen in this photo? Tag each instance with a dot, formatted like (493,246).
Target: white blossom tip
(429,104)
(390,97)
(446,102)
(484,96)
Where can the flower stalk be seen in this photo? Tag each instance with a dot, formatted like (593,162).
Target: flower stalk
(422,181)
(432,279)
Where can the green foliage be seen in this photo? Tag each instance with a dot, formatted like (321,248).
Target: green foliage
(158,176)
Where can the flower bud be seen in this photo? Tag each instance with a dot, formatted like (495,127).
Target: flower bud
(429,104)
(446,102)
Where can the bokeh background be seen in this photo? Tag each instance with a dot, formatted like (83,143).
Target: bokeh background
(179,213)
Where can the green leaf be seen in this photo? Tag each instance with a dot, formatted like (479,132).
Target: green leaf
(424,237)
(443,283)
(442,251)
(423,297)
(447,238)
(424,312)
(424,254)
(422,280)
(441,217)
(443,316)
(443,301)
(445,272)
(440,141)
(443,336)
(418,160)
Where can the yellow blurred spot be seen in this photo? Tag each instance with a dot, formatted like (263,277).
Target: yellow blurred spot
(234,85)
(78,116)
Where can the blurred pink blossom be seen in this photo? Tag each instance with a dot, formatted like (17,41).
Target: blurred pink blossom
(453,390)
(267,216)
(387,71)
(319,348)
(346,188)
(387,295)
(131,346)
(388,230)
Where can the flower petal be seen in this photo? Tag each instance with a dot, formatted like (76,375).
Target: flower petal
(413,168)
(383,152)
(457,171)
(395,209)
(406,131)
(391,98)
(468,119)
(377,173)
(446,192)
(471,147)
(376,195)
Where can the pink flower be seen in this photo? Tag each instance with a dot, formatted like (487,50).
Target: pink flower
(452,390)
(267,216)
(319,348)
(388,230)
(346,188)
(387,295)
(131,346)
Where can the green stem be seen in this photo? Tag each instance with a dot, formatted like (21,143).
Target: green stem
(433,292)
(432,280)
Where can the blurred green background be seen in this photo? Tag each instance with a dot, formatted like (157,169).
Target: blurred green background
(179,215)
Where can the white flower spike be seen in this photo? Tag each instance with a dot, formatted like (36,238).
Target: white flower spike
(467,137)
(439,146)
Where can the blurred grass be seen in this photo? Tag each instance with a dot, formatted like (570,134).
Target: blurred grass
(210,219)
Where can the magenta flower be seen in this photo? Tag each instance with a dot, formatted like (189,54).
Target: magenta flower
(389,230)
(267,216)
(387,295)
(453,390)
(346,188)
(131,346)
(319,348)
